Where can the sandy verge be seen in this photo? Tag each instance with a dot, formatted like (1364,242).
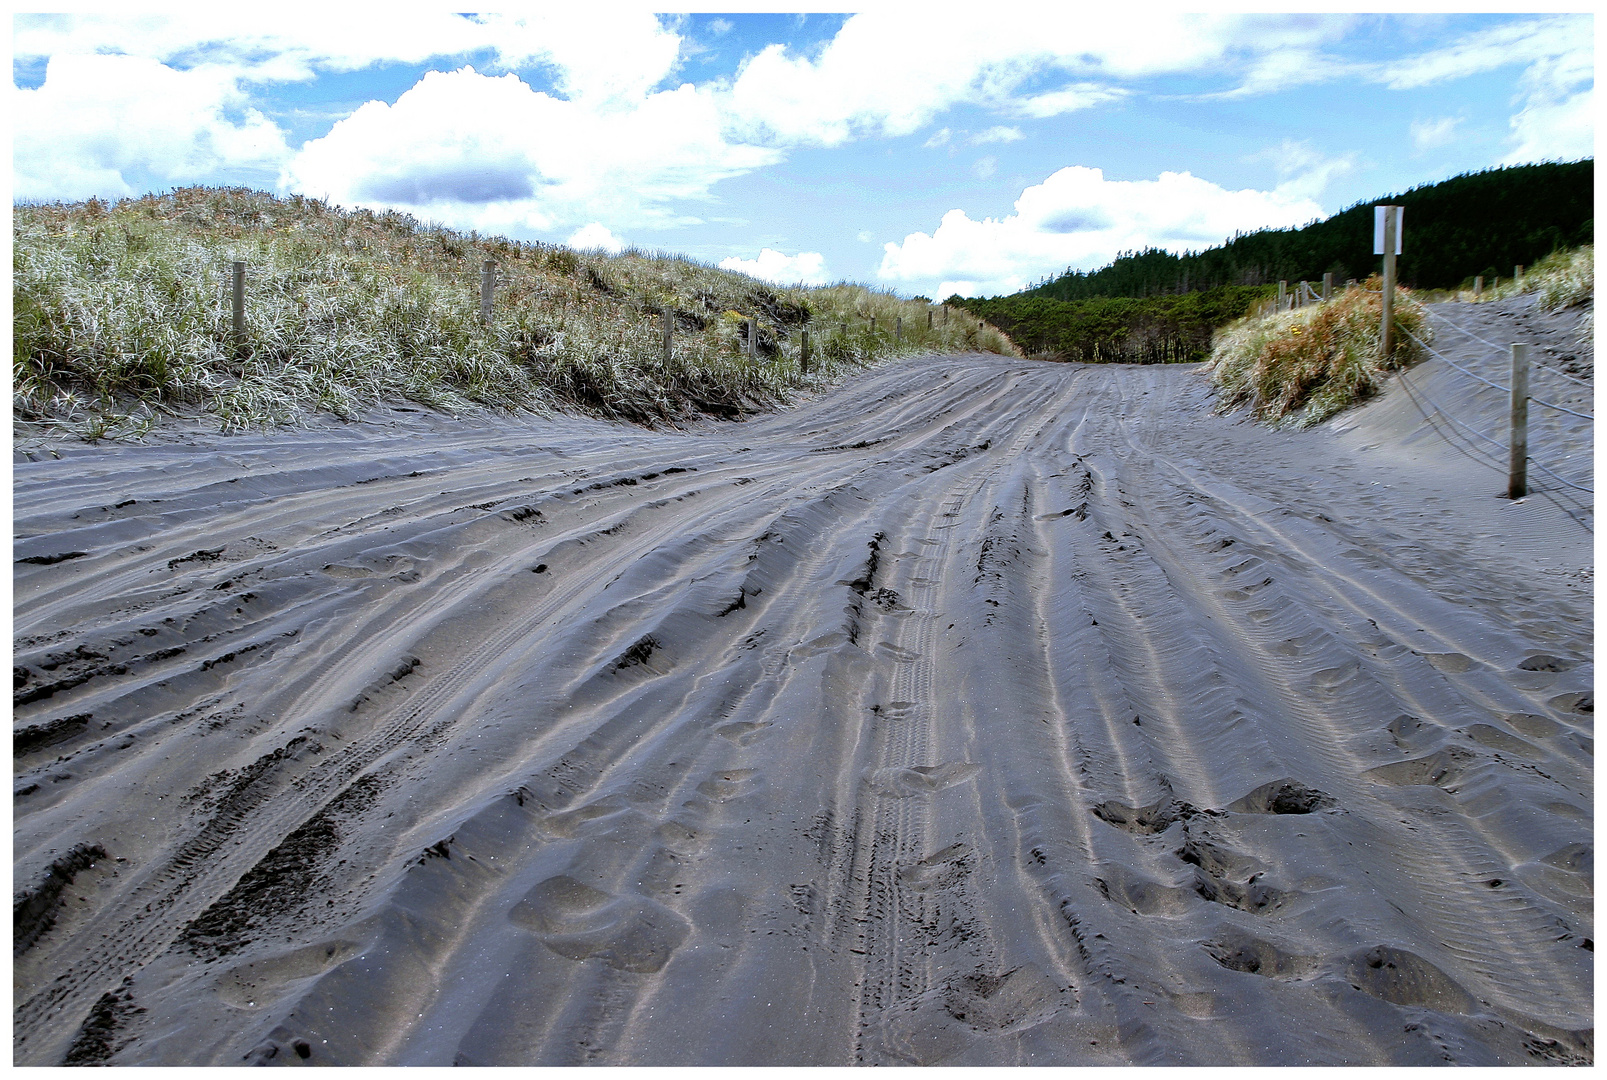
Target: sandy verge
(979,711)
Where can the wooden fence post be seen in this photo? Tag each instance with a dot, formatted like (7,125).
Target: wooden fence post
(669,328)
(753,340)
(488,277)
(1518,459)
(873,325)
(803,354)
(1283,295)
(1327,287)
(929,320)
(1478,286)
(1391,240)
(239,309)
(1517,274)
(898,330)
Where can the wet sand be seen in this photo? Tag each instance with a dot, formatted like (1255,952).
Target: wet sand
(978,711)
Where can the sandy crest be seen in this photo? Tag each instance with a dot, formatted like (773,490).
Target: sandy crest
(978,711)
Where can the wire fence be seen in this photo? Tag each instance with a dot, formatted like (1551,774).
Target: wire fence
(1417,392)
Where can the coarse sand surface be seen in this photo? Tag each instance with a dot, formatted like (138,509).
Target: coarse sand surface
(973,711)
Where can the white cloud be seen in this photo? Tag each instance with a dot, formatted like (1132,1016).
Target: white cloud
(886,74)
(543,162)
(939,138)
(1427,134)
(985,167)
(1554,130)
(806,267)
(1556,118)
(1071,99)
(864,236)
(107,125)
(595,237)
(997,134)
(1303,172)
(1078,218)
(596,53)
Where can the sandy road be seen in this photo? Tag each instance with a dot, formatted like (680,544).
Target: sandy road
(978,711)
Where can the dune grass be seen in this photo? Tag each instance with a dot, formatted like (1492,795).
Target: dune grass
(123,314)
(1563,279)
(1298,368)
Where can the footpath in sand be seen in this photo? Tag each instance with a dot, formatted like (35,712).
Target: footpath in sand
(979,711)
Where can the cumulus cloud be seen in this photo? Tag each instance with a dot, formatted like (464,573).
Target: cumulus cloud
(593,53)
(596,237)
(1078,218)
(544,162)
(1553,130)
(859,85)
(118,125)
(806,267)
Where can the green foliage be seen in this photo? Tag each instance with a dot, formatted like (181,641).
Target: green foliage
(1157,330)
(1478,223)
(1563,279)
(122,314)
(1299,367)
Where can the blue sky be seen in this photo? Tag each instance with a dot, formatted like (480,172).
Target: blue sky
(916,148)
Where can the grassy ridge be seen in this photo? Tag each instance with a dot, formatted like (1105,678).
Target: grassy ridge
(1297,368)
(1157,330)
(122,314)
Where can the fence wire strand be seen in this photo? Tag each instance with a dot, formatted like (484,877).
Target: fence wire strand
(1492,385)
(1493,345)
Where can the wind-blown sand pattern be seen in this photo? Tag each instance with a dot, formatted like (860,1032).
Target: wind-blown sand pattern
(979,711)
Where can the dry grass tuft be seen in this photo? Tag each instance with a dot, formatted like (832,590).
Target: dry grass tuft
(1297,368)
(122,315)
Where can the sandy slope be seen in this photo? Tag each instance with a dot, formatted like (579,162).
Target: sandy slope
(981,711)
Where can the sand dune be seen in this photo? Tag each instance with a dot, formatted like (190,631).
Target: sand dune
(979,711)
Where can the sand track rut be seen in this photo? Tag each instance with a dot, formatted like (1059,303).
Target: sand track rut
(977,712)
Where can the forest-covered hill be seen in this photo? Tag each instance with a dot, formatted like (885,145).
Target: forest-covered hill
(1478,223)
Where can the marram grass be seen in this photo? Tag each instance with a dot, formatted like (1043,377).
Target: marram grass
(1298,368)
(122,314)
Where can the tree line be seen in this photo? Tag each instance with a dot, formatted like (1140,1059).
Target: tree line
(1155,307)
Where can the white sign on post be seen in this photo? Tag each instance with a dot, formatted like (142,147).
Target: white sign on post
(1378,227)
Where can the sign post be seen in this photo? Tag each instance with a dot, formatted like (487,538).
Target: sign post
(1387,242)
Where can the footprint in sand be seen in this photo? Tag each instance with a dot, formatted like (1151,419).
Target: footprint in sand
(1451,663)
(1404,978)
(574,920)
(1583,704)
(728,785)
(941,869)
(1496,739)
(742,732)
(898,783)
(262,982)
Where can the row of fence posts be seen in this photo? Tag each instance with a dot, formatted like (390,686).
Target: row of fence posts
(488,284)
(1388,244)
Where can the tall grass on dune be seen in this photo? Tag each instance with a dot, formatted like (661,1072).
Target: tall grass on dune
(1562,279)
(1298,368)
(122,313)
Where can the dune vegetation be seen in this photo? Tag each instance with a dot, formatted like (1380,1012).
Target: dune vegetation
(123,314)
(1297,368)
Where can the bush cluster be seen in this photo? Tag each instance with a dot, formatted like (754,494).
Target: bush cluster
(1297,368)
